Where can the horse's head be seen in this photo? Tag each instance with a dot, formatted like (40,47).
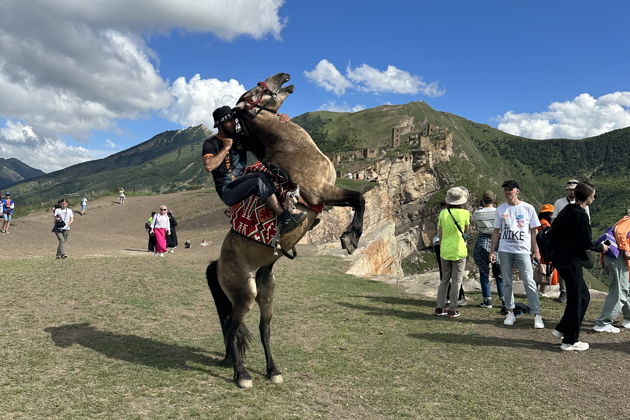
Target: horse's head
(268,95)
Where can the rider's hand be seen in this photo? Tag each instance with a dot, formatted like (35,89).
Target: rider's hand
(284,118)
(493,257)
(227,143)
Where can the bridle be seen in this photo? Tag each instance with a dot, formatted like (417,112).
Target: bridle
(256,104)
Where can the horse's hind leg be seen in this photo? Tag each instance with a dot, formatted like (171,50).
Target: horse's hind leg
(241,289)
(265,284)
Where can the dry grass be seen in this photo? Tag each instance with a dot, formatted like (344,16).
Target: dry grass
(137,337)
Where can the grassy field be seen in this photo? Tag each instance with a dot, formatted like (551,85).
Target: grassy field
(138,337)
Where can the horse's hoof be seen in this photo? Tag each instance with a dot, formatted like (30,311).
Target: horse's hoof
(346,243)
(276,379)
(245,383)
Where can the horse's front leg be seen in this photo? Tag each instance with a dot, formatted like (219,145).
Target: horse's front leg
(265,284)
(335,196)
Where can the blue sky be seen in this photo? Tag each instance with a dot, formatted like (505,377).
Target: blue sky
(83,79)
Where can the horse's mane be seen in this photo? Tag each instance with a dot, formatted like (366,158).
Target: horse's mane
(253,144)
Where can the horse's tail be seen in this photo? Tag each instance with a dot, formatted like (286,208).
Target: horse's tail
(224,310)
(221,301)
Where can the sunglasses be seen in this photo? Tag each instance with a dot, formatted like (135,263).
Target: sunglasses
(163,209)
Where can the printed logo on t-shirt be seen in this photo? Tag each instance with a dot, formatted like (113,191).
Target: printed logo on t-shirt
(520,221)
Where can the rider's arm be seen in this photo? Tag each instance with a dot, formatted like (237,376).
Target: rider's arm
(214,152)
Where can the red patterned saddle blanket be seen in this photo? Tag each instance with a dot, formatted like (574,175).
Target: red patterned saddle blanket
(252,218)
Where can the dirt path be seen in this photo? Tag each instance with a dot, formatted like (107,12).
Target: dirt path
(109,228)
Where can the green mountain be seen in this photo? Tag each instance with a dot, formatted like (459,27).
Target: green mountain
(13,170)
(168,162)
(483,156)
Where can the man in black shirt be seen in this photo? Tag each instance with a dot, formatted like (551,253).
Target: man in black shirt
(225,156)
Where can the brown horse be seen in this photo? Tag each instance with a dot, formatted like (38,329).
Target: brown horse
(243,274)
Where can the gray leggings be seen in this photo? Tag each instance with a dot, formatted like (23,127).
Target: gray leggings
(62,237)
(254,183)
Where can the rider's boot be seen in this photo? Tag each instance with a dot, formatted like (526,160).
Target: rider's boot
(288,221)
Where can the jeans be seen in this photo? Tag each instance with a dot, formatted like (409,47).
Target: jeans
(524,264)
(253,183)
(484,279)
(618,293)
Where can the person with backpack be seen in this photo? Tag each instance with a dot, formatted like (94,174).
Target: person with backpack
(617,267)
(514,236)
(452,223)
(483,220)
(544,272)
(570,239)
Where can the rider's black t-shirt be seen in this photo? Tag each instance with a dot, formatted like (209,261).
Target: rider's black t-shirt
(237,157)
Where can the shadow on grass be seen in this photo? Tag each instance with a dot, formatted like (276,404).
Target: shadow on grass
(487,341)
(395,300)
(134,349)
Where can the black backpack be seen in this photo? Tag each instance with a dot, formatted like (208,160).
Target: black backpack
(544,241)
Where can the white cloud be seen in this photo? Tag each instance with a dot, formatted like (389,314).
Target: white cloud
(584,116)
(196,99)
(368,79)
(391,80)
(326,75)
(343,107)
(41,152)
(69,67)
(110,144)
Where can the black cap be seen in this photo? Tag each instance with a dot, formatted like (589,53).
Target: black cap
(221,114)
(510,184)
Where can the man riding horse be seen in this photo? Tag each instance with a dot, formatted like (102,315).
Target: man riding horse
(225,156)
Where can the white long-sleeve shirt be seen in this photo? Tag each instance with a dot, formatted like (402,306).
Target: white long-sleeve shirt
(161,221)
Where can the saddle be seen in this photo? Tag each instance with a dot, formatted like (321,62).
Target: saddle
(252,218)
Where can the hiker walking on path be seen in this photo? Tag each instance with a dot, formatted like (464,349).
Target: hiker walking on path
(514,236)
(570,239)
(84,201)
(617,267)
(64,214)
(160,227)
(452,223)
(558,206)
(7,212)
(483,219)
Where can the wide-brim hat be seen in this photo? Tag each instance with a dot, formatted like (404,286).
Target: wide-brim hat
(456,196)
(222,114)
(571,184)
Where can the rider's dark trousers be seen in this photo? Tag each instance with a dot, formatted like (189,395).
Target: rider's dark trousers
(253,183)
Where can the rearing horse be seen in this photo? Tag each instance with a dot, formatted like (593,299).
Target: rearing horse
(243,274)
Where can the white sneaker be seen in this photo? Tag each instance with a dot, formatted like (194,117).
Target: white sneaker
(538,322)
(162,254)
(625,324)
(510,319)
(557,334)
(609,328)
(577,346)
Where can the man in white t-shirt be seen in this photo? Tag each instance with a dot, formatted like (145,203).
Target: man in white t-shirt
(63,213)
(515,224)
(557,208)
